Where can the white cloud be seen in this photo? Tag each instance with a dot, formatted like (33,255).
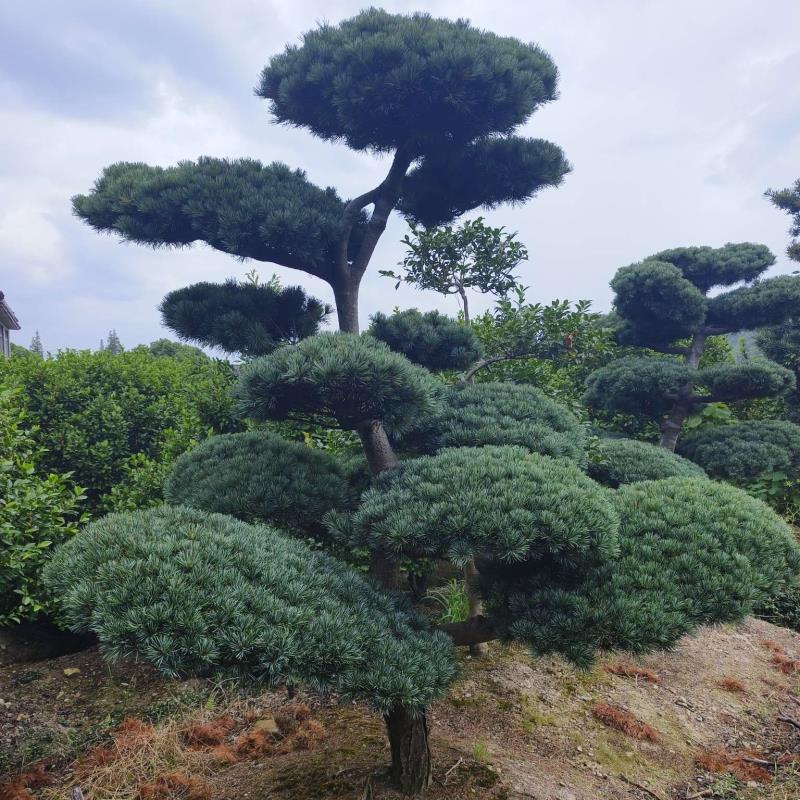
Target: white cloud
(676,117)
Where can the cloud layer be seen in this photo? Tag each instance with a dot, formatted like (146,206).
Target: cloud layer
(676,116)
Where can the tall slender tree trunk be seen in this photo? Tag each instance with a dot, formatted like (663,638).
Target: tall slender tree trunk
(411,752)
(672,424)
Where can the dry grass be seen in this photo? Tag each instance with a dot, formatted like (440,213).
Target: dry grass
(19,787)
(624,721)
(628,670)
(174,759)
(780,658)
(740,764)
(731,685)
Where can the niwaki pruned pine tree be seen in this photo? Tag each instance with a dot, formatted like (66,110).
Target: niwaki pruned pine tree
(788,200)
(562,563)
(441,99)
(663,303)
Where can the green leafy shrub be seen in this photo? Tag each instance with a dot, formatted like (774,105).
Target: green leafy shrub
(352,379)
(115,419)
(744,451)
(38,511)
(690,551)
(782,609)
(431,340)
(205,594)
(258,476)
(620,461)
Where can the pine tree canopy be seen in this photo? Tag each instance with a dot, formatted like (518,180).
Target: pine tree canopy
(746,380)
(242,207)
(658,305)
(383,81)
(432,340)
(621,461)
(483,174)
(636,385)
(499,414)
(743,451)
(503,504)
(204,594)
(764,303)
(353,379)
(707,267)
(662,303)
(788,200)
(261,477)
(241,318)
(690,552)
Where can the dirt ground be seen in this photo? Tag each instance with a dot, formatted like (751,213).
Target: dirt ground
(511,728)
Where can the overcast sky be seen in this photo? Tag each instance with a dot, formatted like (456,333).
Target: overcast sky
(676,116)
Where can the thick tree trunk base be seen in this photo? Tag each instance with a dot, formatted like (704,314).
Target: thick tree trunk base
(411,752)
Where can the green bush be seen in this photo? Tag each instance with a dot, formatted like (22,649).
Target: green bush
(620,461)
(118,421)
(205,594)
(431,340)
(691,551)
(349,378)
(258,476)
(500,414)
(742,452)
(38,510)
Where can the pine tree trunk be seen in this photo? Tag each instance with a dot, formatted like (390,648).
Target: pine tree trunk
(671,426)
(380,457)
(411,752)
(345,293)
(475,605)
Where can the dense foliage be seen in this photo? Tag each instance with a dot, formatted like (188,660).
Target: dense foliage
(690,551)
(431,340)
(38,511)
(247,318)
(744,451)
(663,300)
(260,477)
(117,422)
(619,461)
(351,379)
(203,594)
(503,504)
(554,346)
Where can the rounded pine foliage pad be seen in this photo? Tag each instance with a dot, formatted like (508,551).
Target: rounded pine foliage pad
(352,379)
(204,594)
(260,477)
(629,461)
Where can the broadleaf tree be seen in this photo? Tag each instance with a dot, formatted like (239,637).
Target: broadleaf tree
(663,304)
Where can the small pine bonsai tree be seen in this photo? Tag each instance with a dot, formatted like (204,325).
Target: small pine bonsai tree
(620,461)
(431,340)
(663,304)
